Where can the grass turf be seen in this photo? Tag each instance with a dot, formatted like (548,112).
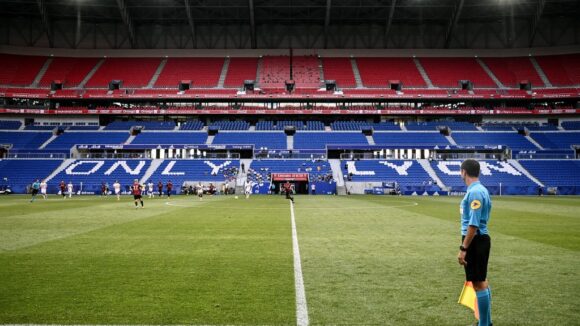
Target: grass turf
(365,260)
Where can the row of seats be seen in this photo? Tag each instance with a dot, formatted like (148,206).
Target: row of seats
(561,70)
(88,175)
(302,140)
(147,125)
(280,125)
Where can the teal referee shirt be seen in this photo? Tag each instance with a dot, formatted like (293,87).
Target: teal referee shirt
(475,208)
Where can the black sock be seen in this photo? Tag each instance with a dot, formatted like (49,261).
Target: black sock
(141,203)
(135,204)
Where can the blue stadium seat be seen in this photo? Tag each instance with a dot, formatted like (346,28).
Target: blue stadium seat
(319,140)
(68,139)
(191,125)
(512,140)
(24,140)
(10,125)
(410,138)
(571,125)
(92,172)
(271,140)
(555,173)
(405,172)
(179,171)
(493,175)
(260,170)
(556,140)
(230,125)
(21,173)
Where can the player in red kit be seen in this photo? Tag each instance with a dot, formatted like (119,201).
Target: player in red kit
(288,190)
(169,188)
(137,189)
(160,188)
(62,187)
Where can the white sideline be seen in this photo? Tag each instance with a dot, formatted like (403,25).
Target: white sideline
(301,307)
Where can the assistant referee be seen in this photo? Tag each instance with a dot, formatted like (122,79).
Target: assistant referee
(474,251)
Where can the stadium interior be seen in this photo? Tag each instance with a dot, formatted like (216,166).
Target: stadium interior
(289,162)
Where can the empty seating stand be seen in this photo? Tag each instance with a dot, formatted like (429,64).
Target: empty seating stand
(410,138)
(10,125)
(319,140)
(339,70)
(230,125)
(202,72)
(270,140)
(70,71)
(147,125)
(22,173)
(23,139)
(170,138)
(557,140)
(511,71)
(447,72)
(498,177)
(180,171)
(239,70)
(512,140)
(68,139)
(376,72)
(564,174)
(19,70)
(133,72)
(561,70)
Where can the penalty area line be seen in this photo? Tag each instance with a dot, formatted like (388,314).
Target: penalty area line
(301,307)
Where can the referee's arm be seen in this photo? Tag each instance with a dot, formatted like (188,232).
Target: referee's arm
(474,219)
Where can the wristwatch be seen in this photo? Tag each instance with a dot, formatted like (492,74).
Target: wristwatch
(462,248)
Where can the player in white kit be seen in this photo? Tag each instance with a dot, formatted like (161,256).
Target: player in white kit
(117,189)
(70,189)
(199,191)
(248,189)
(150,189)
(43,187)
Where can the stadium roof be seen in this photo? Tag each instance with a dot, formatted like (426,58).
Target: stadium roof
(326,17)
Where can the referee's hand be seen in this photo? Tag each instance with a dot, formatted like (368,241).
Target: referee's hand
(461,258)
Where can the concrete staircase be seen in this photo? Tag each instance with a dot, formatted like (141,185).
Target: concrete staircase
(489,73)
(91,73)
(540,72)
(451,140)
(356,72)
(534,142)
(423,73)
(41,73)
(289,142)
(242,176)
(258,69)
(224,73)
(157,73)
(427,167)
(209,140)
(48,141)
(479,128)
(525,172)
(155,164)
(403,127)
(320,69)
(370,140)
(338,176)
(59,169)
(129,140)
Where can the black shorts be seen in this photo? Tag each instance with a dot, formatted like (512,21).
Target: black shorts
(477,257)
(136,197)
(34,192)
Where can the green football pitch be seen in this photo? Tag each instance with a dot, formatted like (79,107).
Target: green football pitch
(358,260)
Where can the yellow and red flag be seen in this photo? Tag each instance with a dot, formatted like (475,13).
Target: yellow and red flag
(468,298)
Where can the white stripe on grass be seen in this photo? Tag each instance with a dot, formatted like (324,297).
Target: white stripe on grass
(301,307)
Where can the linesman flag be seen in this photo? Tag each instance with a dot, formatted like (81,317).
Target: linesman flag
(468,298)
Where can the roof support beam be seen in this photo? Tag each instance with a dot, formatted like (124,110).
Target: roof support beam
(327,22)
(127,21)
(535,19)
(389,22)
(453,22)
(45,22)
(253,41)
(191,24)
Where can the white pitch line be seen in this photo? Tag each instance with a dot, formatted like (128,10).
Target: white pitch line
(301,307)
